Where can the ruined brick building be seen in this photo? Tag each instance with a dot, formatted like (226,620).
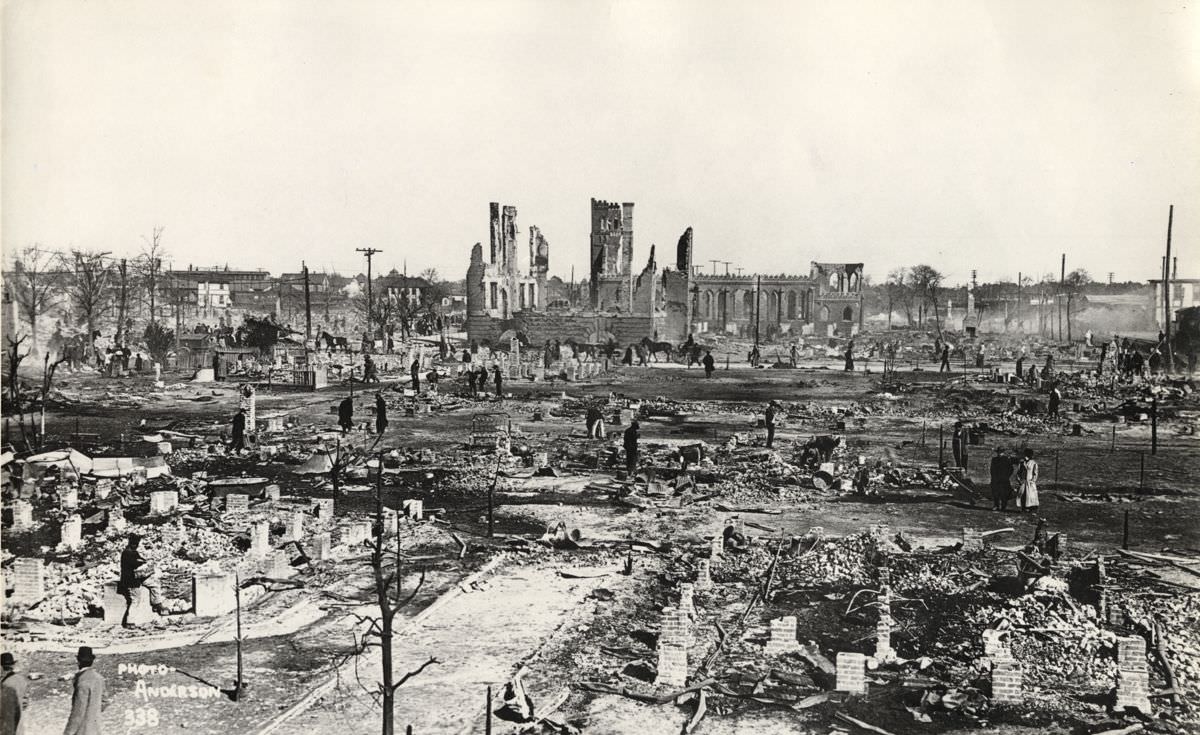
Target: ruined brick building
(665,305)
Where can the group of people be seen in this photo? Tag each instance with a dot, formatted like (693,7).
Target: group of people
(1014,477)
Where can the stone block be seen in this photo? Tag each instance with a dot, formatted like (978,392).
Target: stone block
(260,539)
(324,508)
(163,501)
(29,581)
(72,533)
(972,539)
(296,525)
(22,515)
(672,666)
(391,522)
(140,611)
(703,575)
(716,547)
(1006,682)
(213,594)
(237,503)
(851,673)
(271,493)
(687,602)
(783,636)
(319,546)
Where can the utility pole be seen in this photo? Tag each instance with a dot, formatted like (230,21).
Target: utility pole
(1110,277)
(714,265)
(369,252)
(757,308)
(1167,292)
(1062,278)
(124,271)
(307,308)
(727,264)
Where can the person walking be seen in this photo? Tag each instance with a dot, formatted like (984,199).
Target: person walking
(13,686)
(381,418)
(87,696)
(239,431)
(1025,478)
(498,379)
(770,422)
(794,354)
(471,375)
(945,367)
(850,357)
(346,414)
(959,444)
(415,370)
(631,449)
(1001,470)
(709,364)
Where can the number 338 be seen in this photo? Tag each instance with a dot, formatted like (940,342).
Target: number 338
(141,717)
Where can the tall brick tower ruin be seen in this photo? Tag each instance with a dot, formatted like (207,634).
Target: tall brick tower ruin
(612,243)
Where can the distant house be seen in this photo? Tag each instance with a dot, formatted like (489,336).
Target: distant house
(402,288)
(1185,292)
(216,289)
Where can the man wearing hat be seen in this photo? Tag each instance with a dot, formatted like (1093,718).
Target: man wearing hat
(12,697)
(86,701)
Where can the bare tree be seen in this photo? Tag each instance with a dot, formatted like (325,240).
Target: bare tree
(1073,286)
(149,268)
(89,280)
(900,292)
(122,276)
(47,382)
(35,288)
(927,282)
(14,363)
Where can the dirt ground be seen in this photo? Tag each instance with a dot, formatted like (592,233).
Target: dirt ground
(579,621)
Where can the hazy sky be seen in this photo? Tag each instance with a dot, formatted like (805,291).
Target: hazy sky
(991,135)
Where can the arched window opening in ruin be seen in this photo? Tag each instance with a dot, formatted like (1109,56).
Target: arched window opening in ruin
(791,305)
(504,303)
(847,314)
(824,312)
(748,304)
(521,290)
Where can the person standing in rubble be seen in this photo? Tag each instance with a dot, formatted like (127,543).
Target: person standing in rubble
(1025,478)
(381,418)
(370,373)
(709,364)
(346,414)
(415,371)
(595,422)
(794,354)
(959,444)
(471,374)
(239,431)
(1048,368)
(1055,401)
(945,367)
(498,379)
(1001,470)
(769,419)
(628,358)
(135,574)
(1020,365)
(631,449)
(850,357)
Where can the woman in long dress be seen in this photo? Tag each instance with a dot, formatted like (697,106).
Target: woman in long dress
(1025,478)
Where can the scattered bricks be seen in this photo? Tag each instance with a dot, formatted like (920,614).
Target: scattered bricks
(783,636)
(1006,682)
(140,610)
(995,644)
(271,493)
(703,575)
(72,532)
(22,515)
(687,601)
(163,502)
(29,583)
(237,503)
(716,547)
(972,539)
(324,508)
(414,509)
(318,547)
(672,666)
(116,520)
(260,539)
(1133,675)
(213,595)
(296,525)
(68,498)
(851,673)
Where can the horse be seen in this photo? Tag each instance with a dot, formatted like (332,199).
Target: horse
(653,348)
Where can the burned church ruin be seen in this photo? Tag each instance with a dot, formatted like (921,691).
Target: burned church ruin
(667,304)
